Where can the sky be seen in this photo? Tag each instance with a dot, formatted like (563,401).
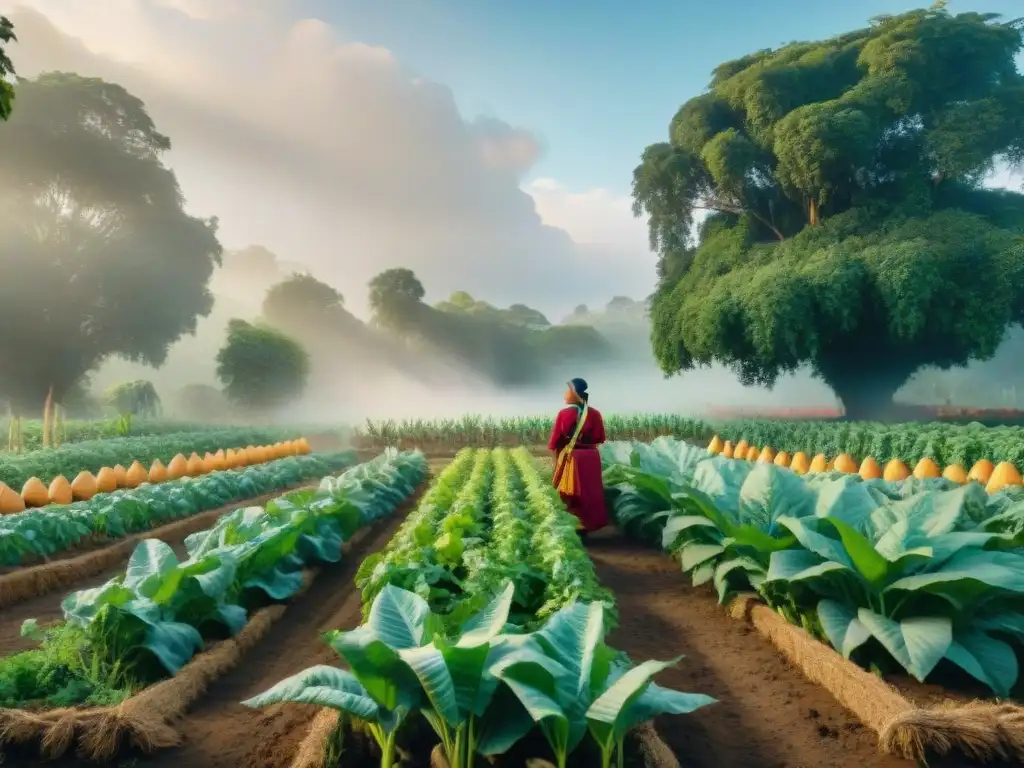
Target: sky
(486,144)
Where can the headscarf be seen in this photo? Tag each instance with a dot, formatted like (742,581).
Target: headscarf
(579,386)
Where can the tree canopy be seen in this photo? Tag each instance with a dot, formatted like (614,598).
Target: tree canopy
(6,68)
(138,398)
(846,226)
(97,255)
(261,368)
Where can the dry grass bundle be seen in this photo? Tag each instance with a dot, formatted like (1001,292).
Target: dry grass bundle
(312,752)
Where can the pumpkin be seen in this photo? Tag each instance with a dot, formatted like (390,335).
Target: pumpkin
(895,471)
(782,459)
(136,475)
(844,463)
(927,467)
(752,453)
(767,455)
(83,487)
(1003,475)
(818,464)
(121,475)
(194,467)
(34,493)
(740,452)
(728,451)
(158,472)
(800,463)
(304,447)
(715,446)
(956,473)
(106,480)
(60,491)
(10,502)
(220,461)
(293,447)
(277,451)
(869,469)
(177,468)
(981,471)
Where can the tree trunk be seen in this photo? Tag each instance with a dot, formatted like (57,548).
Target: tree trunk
(48,418)
(812,213)
(867,398)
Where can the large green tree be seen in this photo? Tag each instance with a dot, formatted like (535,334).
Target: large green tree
(261,368)
(846,226)
(98,257)
(6,68)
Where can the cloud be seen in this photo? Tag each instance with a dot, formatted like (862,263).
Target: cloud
(331,153)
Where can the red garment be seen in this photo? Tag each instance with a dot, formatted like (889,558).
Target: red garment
(588,505)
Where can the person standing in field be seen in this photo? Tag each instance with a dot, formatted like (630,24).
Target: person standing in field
(578,431)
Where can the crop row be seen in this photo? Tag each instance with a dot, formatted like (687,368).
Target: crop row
(993,478)
(485,432)
(146,624)
(39,533)
(945,444)
(484,616)
(925,576)
(91,456)
(85,486)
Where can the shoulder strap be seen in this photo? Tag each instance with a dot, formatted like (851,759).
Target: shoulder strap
(579,429)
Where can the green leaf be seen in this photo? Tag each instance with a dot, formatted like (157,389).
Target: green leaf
(917,643)
(988,660)
(323,685)
(871,565)
(842,627)
(693,554)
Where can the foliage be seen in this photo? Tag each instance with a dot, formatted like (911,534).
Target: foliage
(945,443)
(894,575)
(138,398)
(481,431)
(481,687)
(92,455)
(6,68)
(849,231)
(261,368)
(43,532)
(147,623)
(490,519)
(100,258)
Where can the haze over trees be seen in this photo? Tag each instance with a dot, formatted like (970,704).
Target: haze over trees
(7,36)
(100,259)
(260,368)
(848,228)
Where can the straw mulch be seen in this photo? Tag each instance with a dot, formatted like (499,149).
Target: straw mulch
(982,731)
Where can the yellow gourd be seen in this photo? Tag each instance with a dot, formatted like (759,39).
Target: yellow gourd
(956,473)
(782,459)
(83,487)
(304,447)
(728,451)
(752,453)
(10,502)
(219,461)
(194,467)
(106,480)
(60,491)
(982,471)
(869,469)
(177,467)
(895,471)
(136,475)
(158,472)
(740,451)
(1003,475)
(293,447)
(277,450)
(121,475)
(818,464)
(844,463)
(927,467)
(34,493)
(800,463)
(767,455)
(715,446)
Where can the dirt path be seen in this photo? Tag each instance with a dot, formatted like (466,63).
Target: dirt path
(220,732)
(767,716)
(47,608)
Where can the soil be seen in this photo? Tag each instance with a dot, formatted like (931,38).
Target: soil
(768,714)
(47,608)
(219,731)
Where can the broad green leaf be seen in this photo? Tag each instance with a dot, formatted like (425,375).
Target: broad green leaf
(488,623)
(917,643)
(871,565)
(693,554)
(693,526)
(806,532)
(323,685)
(986,659)
(842,627)
(398,617)
(430,666)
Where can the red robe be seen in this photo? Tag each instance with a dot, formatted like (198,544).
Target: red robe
(588,505)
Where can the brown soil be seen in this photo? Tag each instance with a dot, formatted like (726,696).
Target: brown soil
(47,608)
(767,716)
(220,732)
